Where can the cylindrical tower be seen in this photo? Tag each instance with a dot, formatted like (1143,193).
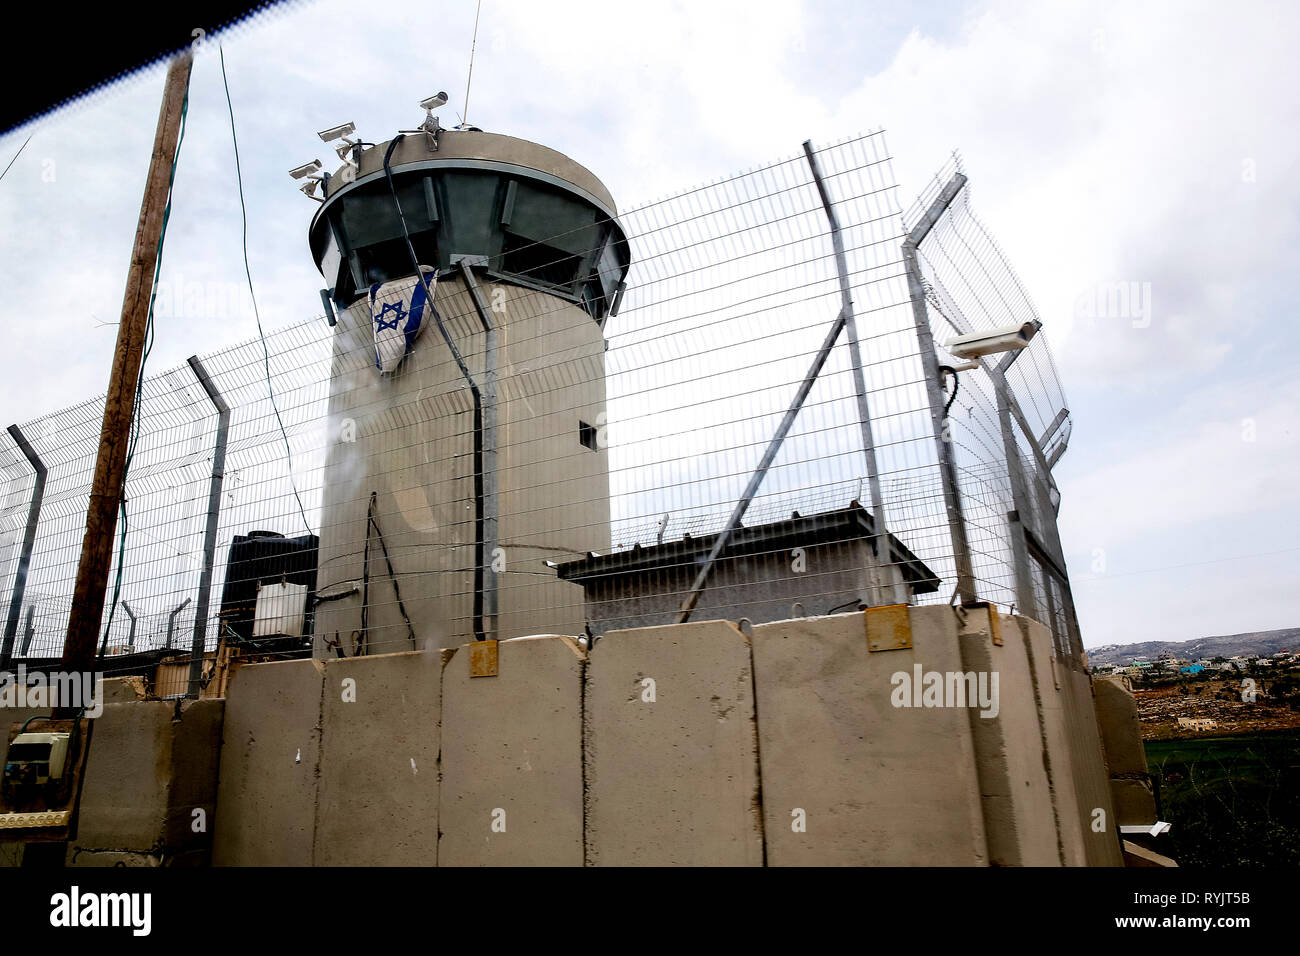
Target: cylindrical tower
(457,475)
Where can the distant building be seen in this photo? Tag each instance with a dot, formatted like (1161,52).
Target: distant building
(1193,669)
(1197,723)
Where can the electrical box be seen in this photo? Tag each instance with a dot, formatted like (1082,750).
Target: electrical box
(33,760)
(41,780)
(280,610)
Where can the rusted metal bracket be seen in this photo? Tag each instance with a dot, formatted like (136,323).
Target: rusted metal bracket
(889,627)
(483,657)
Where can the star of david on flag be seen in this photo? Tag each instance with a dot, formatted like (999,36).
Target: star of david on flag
(396,314)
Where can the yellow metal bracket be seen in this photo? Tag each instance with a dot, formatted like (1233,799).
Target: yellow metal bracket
(889,628)
(483,659)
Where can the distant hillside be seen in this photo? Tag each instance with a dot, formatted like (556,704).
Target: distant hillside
(1259,643)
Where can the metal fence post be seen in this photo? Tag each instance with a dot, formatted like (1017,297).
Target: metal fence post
(210,530)
(1025,600)
(29,541)
(880,588)
(943,444)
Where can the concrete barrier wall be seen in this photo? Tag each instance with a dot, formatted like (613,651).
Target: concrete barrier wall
(848,777)
(1126,759)
(671,749)
(692,744)
(149,793)
(1092,784)
(377,797)
(1072,818)
(1021,814)
(270,757)
(512,789)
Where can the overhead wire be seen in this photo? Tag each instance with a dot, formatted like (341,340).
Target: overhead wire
(266,355)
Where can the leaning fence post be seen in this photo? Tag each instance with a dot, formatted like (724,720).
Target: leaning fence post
(210,530)
(883,555)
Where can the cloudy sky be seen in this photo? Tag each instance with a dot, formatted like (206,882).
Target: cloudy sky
(1152,144)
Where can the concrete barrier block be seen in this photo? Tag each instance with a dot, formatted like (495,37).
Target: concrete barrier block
(1092,781)
(270,752)
(672,769)
(512,790)
(151,784)
(1118,724)
(848,777)
(1020,817)
(124,794)
(1059,756)
(378,796)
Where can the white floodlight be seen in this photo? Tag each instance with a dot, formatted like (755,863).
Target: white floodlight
(433,102)
(1008,338)
(306,169)
(337,132)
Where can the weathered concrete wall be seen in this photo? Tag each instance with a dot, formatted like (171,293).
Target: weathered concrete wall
(270,758)
(691,744)
(1126,759)
(671,748)
(877,784)
(1076,764)
(150,789)
(377,800)
(1045,672)
(1011,749)
(511,790)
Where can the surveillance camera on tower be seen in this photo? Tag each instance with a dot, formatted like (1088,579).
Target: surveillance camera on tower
(306,169)
(338,132)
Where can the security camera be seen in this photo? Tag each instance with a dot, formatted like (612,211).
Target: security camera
(338,132)
(344,151)
(306,169)
(309,189)
(1008,338)
(433,102)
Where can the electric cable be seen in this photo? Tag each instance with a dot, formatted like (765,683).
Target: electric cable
(266,355)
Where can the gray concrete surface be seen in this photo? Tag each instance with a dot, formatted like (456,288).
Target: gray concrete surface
(512,757)
(1019,814)
(378,785)
(673,781)
(270,756)
(877,784)
(152,764)
(1126,759)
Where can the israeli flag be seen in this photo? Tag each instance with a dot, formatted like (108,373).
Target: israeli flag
(396,314)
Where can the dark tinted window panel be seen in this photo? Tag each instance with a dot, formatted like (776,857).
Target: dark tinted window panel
(538,262)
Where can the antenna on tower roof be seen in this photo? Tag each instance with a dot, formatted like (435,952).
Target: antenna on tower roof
(473,43)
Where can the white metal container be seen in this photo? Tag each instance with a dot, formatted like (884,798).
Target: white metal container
(280,610)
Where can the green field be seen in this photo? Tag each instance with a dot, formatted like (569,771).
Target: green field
(1231,801)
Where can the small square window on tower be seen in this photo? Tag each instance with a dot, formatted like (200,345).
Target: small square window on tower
(587,435)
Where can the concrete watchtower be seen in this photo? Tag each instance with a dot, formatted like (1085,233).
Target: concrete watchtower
(477,454)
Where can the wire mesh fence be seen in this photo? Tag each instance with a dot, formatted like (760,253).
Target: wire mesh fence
(698,450)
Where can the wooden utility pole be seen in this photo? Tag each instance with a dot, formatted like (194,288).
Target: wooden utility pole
(79,649)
